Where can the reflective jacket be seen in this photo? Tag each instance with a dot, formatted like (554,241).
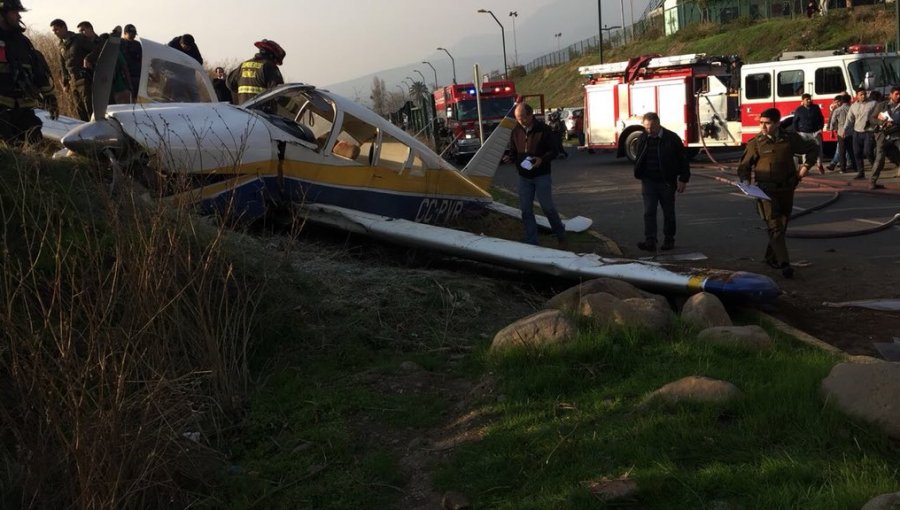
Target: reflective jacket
(254,77)
(24,74)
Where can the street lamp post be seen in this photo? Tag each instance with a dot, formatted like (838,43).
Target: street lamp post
(622,6)
(514,15)
(557,36)
(452,61)
(502,37)
(420,74)
(433,70)
(600,28)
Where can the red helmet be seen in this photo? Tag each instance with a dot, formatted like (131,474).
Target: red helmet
(273,48)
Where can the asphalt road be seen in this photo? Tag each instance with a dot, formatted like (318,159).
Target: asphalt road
(717,220)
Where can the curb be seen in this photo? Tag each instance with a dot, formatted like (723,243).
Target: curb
(802,335)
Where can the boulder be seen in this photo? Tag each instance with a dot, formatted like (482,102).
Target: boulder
(696,389)
(746,337)
(868,391)
(607,309)
(542,328)
(570,298)
(883,502)
(705,311)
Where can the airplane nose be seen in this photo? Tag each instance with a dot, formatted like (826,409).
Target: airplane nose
(93,138)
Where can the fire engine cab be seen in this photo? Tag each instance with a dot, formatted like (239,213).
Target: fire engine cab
(457,110)
(716,101)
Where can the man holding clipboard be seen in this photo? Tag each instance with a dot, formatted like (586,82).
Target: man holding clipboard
(768,161)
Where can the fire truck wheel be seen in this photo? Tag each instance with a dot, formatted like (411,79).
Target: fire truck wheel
(631,145)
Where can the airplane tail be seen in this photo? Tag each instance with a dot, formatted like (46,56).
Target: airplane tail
(484,163)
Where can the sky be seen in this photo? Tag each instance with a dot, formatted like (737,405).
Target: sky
(332,41)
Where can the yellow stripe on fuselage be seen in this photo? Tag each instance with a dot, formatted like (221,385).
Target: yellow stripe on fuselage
(429,182)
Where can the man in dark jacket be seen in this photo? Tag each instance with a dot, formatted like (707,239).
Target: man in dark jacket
(219,85)
(533,148)
(25,80)
(76,79)
(260,73)
(808,123)
(186,44)
(663,168)
(768,161)
(133,52)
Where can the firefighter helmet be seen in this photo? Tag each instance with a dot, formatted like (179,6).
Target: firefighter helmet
(12,5)
(273,48)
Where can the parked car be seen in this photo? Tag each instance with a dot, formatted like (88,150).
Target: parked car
(569,115)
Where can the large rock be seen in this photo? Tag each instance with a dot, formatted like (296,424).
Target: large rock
(542,328)
(869,391)
(883,502)
(704,310)
(745,337)
(696,389)
(570,298)
(604,308)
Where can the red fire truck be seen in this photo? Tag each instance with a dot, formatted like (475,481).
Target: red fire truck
(716,101)
(458,112)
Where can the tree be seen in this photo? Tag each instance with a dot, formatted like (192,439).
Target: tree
(379,97)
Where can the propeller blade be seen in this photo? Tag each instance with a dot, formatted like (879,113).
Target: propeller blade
(104,72)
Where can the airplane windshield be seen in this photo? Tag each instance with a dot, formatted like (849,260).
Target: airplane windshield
(171,82)
(491,108)
(883,71)
(300,112)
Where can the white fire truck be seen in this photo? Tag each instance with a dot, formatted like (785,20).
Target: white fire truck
(716,101)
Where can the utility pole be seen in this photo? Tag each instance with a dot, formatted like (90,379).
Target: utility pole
(514,15)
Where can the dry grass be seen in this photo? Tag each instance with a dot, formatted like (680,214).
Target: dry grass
(125,338)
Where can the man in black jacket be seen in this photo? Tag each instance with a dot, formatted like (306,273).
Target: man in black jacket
(533,148)
(663,169)
(808,123)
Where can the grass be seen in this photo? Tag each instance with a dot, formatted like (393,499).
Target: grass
(570,415)
(151,359)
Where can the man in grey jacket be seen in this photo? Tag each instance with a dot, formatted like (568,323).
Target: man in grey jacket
(836,120)
(859,121)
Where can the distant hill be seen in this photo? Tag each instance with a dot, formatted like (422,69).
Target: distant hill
(754,41)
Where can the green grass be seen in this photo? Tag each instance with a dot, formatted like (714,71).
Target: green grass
(573,414)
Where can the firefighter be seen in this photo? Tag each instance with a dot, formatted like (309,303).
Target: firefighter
(258,74)
(770,158)
(25,80)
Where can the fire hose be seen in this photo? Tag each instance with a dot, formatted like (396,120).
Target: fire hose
(823,187)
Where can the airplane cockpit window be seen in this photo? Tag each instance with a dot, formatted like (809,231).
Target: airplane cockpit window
(299,114)
(170,82)
(393,153)
(418,166)
(356,140)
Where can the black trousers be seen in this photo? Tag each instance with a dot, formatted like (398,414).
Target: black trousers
(19,125)
(661,193)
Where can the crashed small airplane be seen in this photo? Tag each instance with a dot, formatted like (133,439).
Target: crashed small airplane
(341,163)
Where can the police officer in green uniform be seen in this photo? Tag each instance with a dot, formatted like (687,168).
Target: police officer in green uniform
(258,74)
(769,157)
(25,80)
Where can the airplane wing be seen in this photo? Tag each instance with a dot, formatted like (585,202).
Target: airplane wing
(55,129)
(737,285)
(576,224)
